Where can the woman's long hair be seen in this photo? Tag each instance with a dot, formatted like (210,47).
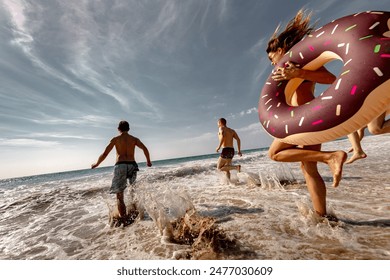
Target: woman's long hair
(295,30)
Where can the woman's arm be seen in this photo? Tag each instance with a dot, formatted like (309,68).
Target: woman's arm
(291,71)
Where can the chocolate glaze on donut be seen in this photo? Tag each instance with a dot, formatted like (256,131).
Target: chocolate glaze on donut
(360,93)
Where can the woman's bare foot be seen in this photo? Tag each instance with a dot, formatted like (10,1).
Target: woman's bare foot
(238,168)
(356,156)
(336,165)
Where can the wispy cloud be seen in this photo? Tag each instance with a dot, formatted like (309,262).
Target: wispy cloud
(249,111)
(223,10)
(87,120)
(254,127)
(63,136)
(28,143)
(80,70)
(243,113)
(207,136)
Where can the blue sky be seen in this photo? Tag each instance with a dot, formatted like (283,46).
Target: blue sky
(70,70)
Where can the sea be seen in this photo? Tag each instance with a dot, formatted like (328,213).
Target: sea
(265,210)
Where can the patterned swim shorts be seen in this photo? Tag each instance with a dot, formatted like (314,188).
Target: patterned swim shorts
(227,153)
(123,171)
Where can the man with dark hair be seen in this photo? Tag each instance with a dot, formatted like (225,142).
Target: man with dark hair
(125,168)
(226,136)
(123,126)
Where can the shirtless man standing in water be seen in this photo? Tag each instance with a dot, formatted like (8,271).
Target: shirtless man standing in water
(125,167)
(226,136)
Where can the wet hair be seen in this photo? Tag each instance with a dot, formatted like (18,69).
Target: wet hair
(295,30)
(223,121)
(123,126)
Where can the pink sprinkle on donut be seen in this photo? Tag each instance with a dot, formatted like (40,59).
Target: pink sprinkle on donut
(317,122)
(385,55)
(327,42)
(353,90)
(316,108)
(311,48)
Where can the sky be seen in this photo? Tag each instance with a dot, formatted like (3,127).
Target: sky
(71,70)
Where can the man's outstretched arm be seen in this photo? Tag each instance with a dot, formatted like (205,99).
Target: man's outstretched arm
(146,152)
(238,143)
(103,155)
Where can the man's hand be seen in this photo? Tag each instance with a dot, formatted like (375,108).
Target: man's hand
(239,153)
(217,149)
(94,165)
(149,164)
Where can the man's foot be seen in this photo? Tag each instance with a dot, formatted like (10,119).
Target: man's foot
(331,218)
(238,168)
(356,156)
(336,165)
(128,219)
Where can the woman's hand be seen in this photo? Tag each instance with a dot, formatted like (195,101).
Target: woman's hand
(288,72)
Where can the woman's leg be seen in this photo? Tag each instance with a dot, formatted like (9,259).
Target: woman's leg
(290,153)
(316,186)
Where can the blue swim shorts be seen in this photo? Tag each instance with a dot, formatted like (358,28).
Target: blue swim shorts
(123,171)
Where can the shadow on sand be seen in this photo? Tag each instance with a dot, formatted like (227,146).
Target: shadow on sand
(222,212)
(374,223)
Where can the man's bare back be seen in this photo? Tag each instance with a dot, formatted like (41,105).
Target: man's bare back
(226,136)
(125,145)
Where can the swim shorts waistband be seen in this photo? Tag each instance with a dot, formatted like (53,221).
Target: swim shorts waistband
(128,162)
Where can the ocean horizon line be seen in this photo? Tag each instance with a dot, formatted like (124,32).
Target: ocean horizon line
(155,162)
(160,162)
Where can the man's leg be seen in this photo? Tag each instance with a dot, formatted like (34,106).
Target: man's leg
(226,165)
(121,204)
(221,164)
(379,125)
(357,149)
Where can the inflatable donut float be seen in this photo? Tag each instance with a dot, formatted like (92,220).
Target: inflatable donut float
(359,94)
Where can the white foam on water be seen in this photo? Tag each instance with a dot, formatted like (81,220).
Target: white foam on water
(266,208)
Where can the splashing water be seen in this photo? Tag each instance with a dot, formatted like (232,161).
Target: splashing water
(265,214)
